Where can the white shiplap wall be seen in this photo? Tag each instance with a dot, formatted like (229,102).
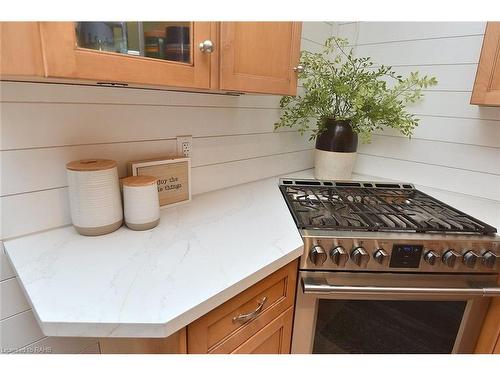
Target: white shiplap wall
(45,125)
(457,145)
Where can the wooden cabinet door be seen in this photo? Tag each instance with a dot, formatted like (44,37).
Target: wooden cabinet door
(275,338)
(64,59)
(486,89)
(259,56)
(489,338)
(20,50)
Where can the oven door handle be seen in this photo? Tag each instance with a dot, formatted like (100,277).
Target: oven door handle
(311,288)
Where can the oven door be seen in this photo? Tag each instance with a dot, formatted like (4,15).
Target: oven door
(356,312)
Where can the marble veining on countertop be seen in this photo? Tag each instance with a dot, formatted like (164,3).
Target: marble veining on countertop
(152,283)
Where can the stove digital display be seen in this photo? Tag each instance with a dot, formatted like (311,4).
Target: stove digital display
(406,256)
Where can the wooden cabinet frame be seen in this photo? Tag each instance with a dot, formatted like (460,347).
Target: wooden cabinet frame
(488,70)
(63,59)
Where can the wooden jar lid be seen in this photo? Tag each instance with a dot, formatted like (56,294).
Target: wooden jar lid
(136,181)
(90,165)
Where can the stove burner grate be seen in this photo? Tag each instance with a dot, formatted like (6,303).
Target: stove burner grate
(378,207)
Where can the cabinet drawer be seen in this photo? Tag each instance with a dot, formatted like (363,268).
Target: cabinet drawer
(275,338)
(218,331)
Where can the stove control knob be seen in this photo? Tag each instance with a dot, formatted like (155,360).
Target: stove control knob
(317,255)
(339,256)
(359,256)
(490,259)
(431,257)
(381,256)
(470,259)
(450,257)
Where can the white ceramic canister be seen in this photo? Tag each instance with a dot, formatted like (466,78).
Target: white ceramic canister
(94,196)
(140,202)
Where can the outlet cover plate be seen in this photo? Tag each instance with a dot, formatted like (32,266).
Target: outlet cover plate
(184,145)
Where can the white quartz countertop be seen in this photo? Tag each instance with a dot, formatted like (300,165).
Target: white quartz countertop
(152,283)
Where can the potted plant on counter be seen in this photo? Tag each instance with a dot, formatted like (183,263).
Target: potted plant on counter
(345,97)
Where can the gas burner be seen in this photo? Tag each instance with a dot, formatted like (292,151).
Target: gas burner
(362,206)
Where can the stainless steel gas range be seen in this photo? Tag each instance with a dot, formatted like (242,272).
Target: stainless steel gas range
(388,269)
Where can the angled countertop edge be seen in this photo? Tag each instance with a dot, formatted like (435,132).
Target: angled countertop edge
(162,330)
(46,254)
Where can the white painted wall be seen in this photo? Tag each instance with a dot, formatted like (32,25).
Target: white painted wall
(457,145)
(43,126)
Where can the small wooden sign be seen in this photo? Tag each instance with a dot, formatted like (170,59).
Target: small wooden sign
(174,175)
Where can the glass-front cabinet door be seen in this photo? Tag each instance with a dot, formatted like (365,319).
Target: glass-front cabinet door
(154,53)
(169,41)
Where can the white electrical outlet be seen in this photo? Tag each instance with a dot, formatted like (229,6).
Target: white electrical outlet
(184,145)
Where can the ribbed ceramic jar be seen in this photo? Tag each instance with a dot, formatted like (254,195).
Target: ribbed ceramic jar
(140,202)
(94,196)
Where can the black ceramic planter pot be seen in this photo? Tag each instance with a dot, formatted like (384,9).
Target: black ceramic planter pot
(335,151)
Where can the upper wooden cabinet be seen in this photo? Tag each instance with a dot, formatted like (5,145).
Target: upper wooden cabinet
(20,49)
(260,56)
(80,51)
(486,89)
(254,57)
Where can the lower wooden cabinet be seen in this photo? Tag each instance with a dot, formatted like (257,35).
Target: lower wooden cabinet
(173,344)
(489,338)
(258,320)
(275,338)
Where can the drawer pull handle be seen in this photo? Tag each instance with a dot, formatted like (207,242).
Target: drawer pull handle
(246,317)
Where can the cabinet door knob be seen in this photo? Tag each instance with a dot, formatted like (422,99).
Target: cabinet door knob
(298,68)
(207,46)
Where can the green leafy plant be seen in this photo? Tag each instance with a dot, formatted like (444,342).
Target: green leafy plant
(339,86)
